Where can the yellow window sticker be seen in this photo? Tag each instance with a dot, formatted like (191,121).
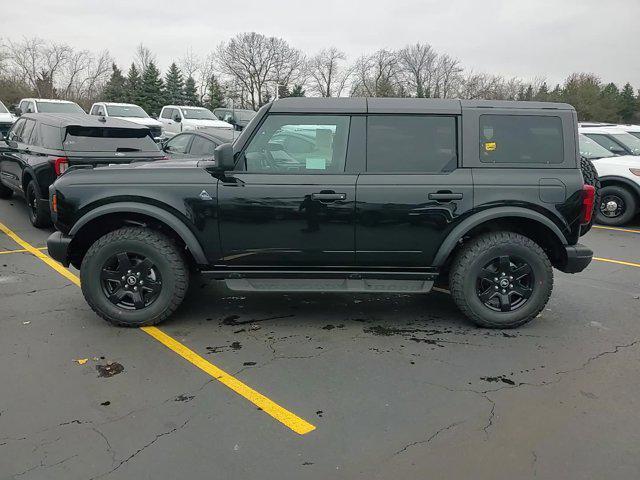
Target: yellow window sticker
(490,146)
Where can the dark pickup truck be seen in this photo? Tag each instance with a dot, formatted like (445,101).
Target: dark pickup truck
(349,194)
(40,147)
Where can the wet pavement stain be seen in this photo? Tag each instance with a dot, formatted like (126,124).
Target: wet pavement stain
(184,398)
(109,370)
(499,378)
(106,404)
(249,364)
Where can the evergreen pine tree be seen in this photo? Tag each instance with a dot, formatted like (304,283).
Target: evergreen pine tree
(628,104)
(215,93)
(543,93)
(114,90)
(528,93)
(132,85)
(297,91)
(174,86)
(609,105)
(191,93)
(151,90)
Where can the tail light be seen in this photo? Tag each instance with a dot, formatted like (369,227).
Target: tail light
(60,165)
(588,198)
(54,203)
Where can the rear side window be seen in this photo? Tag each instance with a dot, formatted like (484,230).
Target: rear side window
(103,139)
(411,143)
(51,137)
(521,139)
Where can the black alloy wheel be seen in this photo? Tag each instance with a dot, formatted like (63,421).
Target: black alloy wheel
(505,283)
(130,281)
(612,206)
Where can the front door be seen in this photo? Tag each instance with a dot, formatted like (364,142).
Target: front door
(290,203)
(412,193)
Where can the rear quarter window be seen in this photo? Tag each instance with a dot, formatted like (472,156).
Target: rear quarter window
(521,139)
(102,139)
(51,137)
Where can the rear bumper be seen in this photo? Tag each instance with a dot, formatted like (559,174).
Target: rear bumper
(578,257)
(58,247)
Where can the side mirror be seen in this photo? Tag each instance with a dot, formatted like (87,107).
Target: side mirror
(177,118)
(618,151)
(223,156)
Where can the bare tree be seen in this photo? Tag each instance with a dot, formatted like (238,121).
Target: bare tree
(143,57)
(327,76)
(255,64)
(190,64)
(418,63)
(448,76)
(378,75)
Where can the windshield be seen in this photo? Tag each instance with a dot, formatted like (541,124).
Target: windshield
(59,107)
(3,109)
(126,111)
(591,149)
(198,114)
(629,141)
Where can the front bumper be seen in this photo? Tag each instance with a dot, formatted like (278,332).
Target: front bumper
(578,257)
(58,247)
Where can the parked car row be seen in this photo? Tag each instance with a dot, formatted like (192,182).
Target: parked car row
(173,119)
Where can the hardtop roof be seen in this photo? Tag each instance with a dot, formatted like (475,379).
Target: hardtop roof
(401,105)
(82,120)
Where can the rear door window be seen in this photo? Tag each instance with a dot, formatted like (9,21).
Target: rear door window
(411,143)
(521,139)
(103,139)
(27,131)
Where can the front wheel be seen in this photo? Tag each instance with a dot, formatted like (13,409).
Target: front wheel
(134,277)
(501,280)
(617,206)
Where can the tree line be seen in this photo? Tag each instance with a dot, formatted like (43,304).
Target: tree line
(251,69)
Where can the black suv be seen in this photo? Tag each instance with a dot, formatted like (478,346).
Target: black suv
(349,194)
(41,147)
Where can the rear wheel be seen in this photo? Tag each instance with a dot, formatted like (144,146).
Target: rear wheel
(134,277)
(590,176)
(38,208)
(617,206)
(501,280)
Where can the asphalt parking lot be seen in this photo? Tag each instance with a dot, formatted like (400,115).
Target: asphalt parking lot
(319,386)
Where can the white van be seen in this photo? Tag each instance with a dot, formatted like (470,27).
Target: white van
(180,118)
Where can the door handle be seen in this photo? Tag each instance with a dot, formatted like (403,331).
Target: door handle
(445,196)
(328,196)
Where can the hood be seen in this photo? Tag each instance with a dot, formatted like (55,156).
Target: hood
(631,161)
(148,121)
(157,164)
(7,117)
(206,123)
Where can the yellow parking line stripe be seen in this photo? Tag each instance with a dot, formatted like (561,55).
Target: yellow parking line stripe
(287,418)
(619,262)
(291,420)
(617,229)
(19,250)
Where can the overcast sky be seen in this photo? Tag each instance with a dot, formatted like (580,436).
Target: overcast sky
(526,38)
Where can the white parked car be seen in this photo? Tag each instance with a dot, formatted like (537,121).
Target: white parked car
(129,112)
(613,138)
(631,129)
(179,118)
(619,181)
(48,105)
(6,120)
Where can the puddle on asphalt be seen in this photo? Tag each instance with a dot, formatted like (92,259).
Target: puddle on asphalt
(109,370)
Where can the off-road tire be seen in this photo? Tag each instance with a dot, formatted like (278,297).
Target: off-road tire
(629,199)
(39,213)
(590,176)
(166,256)
(475,254)
(5,192)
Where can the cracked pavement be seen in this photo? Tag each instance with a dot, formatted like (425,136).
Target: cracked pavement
(398,386)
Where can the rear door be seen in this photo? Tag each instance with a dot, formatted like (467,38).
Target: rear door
(286,208)
(413,191)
